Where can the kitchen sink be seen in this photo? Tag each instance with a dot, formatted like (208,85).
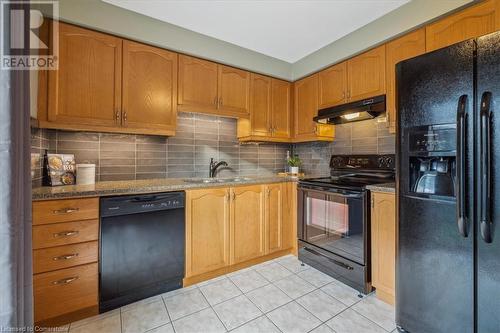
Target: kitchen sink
(215,180)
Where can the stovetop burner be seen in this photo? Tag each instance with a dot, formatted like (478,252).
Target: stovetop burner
(356,171)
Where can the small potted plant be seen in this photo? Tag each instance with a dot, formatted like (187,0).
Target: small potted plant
(294,163)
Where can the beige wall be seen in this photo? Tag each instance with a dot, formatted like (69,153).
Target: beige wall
(411,15)
(108,18)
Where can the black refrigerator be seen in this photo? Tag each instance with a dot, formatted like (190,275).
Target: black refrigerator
(448,189)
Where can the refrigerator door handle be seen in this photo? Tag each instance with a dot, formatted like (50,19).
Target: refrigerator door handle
(485,168)
(461,183)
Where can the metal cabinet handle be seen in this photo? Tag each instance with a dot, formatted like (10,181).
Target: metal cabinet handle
(65,210)
(220,101)
(117,116)
(65,280)
(485,168)
(233,196)
(66,233)
(125,116)
(461,165)
(216,102)
(343,95)
(65,257)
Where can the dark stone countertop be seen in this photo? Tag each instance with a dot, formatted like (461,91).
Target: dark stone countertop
(385,187)
(110,188)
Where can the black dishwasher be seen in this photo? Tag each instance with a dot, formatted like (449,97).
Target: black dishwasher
(141,247)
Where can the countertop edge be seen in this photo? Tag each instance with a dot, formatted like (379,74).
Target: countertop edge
(384,188)
(138,187)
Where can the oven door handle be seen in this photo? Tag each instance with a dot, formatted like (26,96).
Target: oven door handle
(336,262)
(330,191)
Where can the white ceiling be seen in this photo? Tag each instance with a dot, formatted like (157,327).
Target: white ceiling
(284,29)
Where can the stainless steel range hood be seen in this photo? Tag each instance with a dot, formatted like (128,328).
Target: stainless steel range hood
(355,111)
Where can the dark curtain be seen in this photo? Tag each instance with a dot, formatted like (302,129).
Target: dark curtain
(16,292)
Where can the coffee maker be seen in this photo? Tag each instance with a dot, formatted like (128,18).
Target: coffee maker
(432,154)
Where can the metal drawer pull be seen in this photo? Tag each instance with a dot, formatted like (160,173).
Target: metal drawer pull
(65,256)
(336,262)
(66,233)
(65,281)
(66,210)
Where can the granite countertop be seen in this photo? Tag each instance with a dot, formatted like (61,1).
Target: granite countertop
(110,188)
(385,187)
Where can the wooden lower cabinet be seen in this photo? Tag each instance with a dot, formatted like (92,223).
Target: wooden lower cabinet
(229,228)
(65,291)
(65,260)
(274,217)
(247,223)
(383,245)
(207,230)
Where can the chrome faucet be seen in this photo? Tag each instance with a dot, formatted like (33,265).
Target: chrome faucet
(214,166)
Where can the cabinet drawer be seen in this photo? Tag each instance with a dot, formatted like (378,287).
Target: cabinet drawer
(51,259)
(45,212)
(65,233)
(65,291)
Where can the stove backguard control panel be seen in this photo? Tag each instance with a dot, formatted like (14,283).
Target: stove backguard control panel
(386,162)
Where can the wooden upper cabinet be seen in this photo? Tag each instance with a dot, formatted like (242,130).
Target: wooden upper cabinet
(234,91)
(274,217)
(405,47)
(270,117)
(472,22)
(197,85)
(86,89)
(260,105)
(207,230)
(305,106)
(280,109)
(366,74)
(149,88)
(247,223)
(332,85)
(383,245)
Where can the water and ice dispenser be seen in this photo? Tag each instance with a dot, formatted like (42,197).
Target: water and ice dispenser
(432,154)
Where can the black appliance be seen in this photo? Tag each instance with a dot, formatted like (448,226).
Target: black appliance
(141,247)
(448,263)
(350,112)
(334,217)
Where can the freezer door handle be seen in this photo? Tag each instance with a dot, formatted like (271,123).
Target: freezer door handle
(461,153)
(485,168)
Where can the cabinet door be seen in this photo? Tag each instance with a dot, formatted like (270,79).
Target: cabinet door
(247,223)
(149,88)
(405,47)
(280,109)
(472,22)
(366,74)
(86,89)
(306,106)
(260,105)
(332,85)
(234,92)
(197,85)
(207,230)
(274,217)
(383,245)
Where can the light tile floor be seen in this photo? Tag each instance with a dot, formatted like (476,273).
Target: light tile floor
(280,295)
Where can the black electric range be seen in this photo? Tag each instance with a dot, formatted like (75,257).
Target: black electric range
(334,217)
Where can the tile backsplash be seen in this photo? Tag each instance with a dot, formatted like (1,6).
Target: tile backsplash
(187,154)
(198,138)
(363,137)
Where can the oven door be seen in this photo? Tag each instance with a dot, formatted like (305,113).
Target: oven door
(334,220)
